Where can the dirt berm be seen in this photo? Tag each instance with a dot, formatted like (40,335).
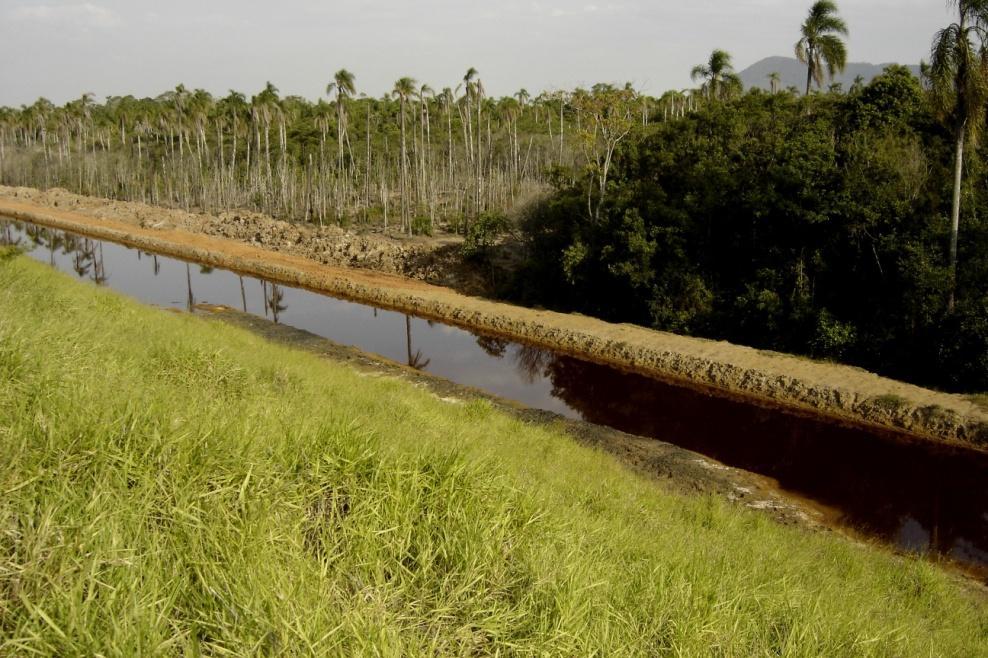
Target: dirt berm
(836,390)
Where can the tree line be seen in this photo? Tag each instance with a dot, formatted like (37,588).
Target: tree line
(415,159)
(842,225)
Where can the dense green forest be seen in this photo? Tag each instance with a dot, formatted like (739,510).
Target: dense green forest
(817,225)
(840,224)
(848,226)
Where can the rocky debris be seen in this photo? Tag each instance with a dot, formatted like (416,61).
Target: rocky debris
(436,260)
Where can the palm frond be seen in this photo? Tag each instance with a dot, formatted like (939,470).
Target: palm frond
(832,24)
(801,50)
(834,53)
(720,62)
(817,68)
(345,82)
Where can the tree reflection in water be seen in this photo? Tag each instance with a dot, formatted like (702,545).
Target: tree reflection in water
(414,360)
(191,299)
(275,301)
(7,237)
(492,346)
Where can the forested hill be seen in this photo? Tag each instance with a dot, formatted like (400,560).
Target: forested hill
(793,73)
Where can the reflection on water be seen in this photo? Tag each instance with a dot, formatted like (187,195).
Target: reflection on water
(916,495)
(416,361)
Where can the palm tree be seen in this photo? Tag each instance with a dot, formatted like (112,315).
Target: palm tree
(345,87)
(821,43)
(234,107)
(262,110)
(179,100)
(403,90)
(447,99)
(718,74)
(344,84)
(469,91)
(958,75)
(775,82)
(522,96)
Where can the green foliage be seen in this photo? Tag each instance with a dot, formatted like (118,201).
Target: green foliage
(421,225)
(810,225)
(893,98)
(833,338)
(318,512)
(483,234)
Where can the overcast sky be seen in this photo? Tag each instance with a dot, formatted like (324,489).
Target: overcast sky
(115,47)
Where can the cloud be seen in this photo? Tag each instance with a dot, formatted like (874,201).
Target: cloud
(84,14)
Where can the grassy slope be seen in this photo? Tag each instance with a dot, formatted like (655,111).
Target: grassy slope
(170,484)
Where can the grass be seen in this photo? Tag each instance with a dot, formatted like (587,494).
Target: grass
(981,400)
(172,486)
(889,402)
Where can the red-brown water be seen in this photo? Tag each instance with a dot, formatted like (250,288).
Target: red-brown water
(913,494)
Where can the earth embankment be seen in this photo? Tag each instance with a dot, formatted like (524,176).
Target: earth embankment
(761,376)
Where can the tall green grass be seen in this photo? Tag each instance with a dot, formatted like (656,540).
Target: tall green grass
(172,486)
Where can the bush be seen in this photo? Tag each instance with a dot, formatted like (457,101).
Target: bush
(483,234)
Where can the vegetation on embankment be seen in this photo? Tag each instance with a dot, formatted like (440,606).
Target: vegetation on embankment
(173,485)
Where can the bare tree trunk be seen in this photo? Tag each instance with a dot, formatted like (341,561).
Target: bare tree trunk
(561,130)
(405,223)
(367,175)
(955,214)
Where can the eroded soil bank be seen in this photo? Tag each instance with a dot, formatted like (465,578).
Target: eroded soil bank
(432,259)
(842,391)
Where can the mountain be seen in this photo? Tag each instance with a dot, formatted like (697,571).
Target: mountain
(794,74)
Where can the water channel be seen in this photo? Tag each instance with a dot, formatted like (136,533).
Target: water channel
(911,493)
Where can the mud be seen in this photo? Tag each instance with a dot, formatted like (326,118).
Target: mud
(756,375)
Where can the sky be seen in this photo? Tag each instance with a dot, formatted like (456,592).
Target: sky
(61,49)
